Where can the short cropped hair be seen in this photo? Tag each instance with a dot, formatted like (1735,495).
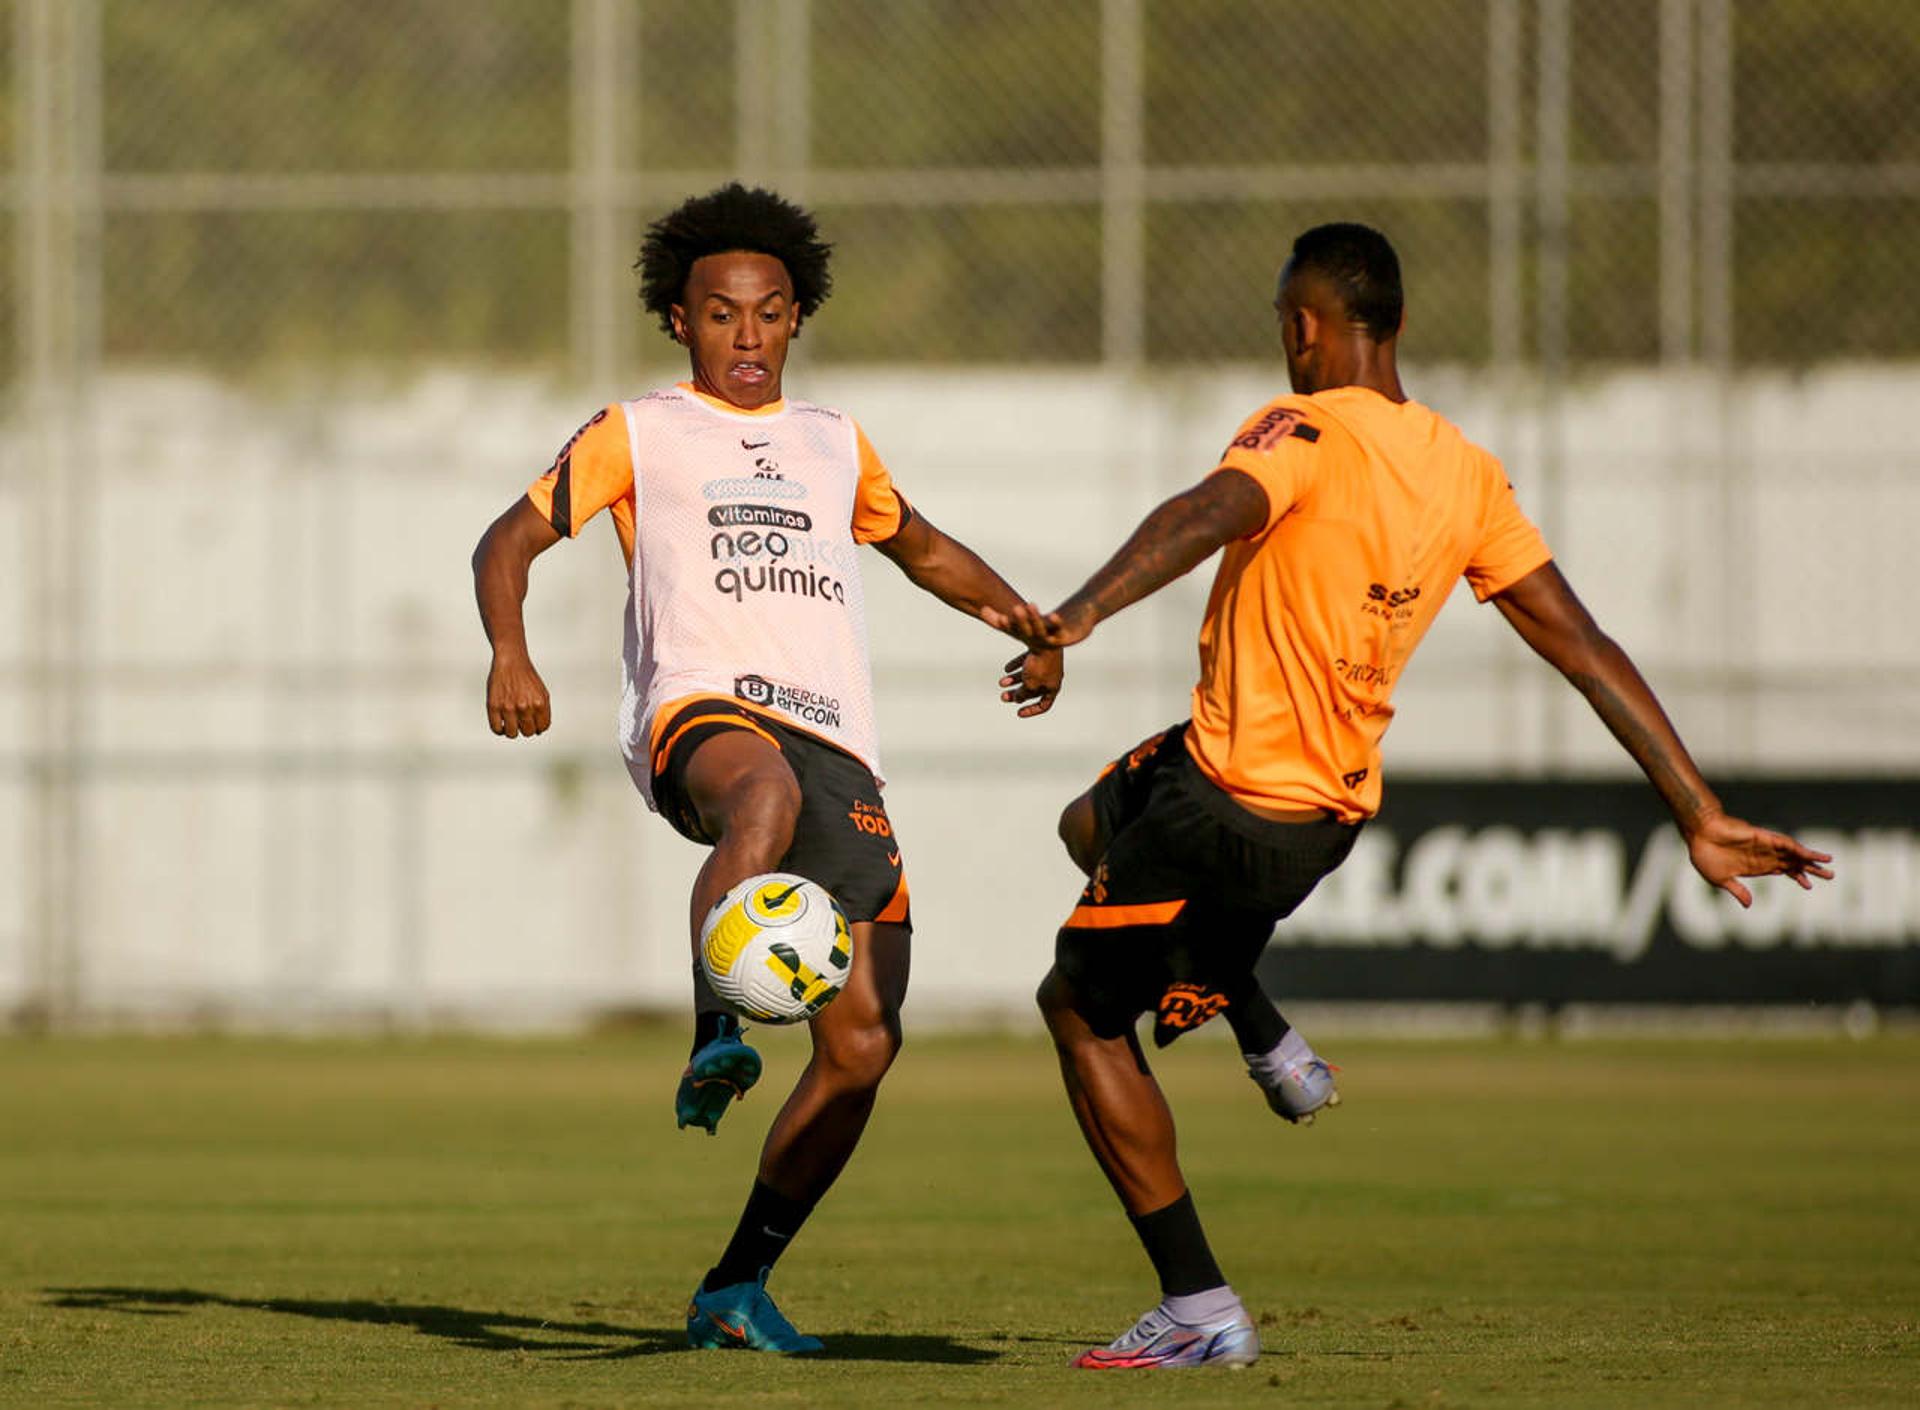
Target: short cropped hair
(1359,264)
(731,218)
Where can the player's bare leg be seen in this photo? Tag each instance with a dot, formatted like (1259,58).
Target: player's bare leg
(1127,1124)
(855,1039)
(748,801)
(1121,1110)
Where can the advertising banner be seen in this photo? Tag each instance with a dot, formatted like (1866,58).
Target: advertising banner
(1580,892)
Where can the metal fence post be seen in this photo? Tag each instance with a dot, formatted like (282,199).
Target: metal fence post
(1733,483)
(599,124)
(1552,190)
(1676,182)
(57,42)
(1123,236)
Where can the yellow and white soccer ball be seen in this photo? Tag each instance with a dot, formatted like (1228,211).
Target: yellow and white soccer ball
(777,948)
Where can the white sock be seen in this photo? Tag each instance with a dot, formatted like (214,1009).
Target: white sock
(1194,1309)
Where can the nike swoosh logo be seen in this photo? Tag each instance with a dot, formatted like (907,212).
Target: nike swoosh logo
(778,901)
(774,1234)
(737,1333)
(893,859)
(754,445)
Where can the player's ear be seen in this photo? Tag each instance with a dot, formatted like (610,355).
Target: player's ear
(677,316)
(795,317)
(1303,328)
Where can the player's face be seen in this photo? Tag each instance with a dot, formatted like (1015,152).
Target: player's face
(736,320)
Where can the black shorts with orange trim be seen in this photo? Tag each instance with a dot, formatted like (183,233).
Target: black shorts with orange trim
(843,839)
(1186,894)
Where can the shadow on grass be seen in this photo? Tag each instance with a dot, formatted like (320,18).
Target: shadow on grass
(498,1331)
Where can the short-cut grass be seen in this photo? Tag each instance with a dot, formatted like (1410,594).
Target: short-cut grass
(460,1222)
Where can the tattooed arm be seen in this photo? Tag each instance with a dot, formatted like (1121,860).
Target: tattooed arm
(1551,620)
(1170,542)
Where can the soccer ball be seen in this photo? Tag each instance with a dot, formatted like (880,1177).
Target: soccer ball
(776,948)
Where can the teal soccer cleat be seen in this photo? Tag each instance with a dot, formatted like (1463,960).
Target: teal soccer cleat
(741,1317)
(721,1072)
(1158,1342)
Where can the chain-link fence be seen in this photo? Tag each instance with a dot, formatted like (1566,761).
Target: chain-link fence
(1086,180)
(247,237)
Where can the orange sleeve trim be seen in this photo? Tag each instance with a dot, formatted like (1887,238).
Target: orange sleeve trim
(896,909)
(879,510)
(1523,568)
(1117,917)
(665,752)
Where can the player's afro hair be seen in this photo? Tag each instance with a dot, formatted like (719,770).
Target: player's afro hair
(1358,262)
(733,217)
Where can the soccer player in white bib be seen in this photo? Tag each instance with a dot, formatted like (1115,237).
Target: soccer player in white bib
(747,714)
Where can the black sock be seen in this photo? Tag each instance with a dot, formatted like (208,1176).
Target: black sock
(1256,1023)
(708,1025)
(767,1225)
(1177,1245)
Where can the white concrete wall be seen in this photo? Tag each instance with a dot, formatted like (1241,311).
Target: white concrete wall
(292,812)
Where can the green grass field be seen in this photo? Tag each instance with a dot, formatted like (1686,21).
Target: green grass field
(214,1223)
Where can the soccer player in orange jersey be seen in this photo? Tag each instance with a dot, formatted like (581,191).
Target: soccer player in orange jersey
(1346,512)
(747,717)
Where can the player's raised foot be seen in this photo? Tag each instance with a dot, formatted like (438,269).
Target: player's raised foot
(1157,1342)
(742,1317)
(1294,1079)
(721,1072)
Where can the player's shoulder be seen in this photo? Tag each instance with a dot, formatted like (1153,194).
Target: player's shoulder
(815,411)
(1464,449)
(603,428)
(1292,417)
(659,404)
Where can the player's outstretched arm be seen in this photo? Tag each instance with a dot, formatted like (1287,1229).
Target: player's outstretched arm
(1171,542)
(517,700)
(1542,608)
(961,578)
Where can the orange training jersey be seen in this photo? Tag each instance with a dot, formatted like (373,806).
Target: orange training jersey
(739,529)
(1375,508)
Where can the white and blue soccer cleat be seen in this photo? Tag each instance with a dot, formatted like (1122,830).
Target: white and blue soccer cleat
(1157,1342)
(741,1317)
(1295,1081)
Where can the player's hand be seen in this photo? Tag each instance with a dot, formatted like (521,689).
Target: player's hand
(1041,631)
(1724,848)
(517,699)
(1032,681)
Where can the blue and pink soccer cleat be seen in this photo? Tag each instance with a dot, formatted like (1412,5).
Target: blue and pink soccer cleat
(1295,1081)
(1158,1342)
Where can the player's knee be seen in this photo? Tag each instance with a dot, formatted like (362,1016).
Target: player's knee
(765,804)
(861,1053)
(1055,998)
(1077,834)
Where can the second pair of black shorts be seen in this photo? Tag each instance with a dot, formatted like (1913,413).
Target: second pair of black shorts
(1186,893)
